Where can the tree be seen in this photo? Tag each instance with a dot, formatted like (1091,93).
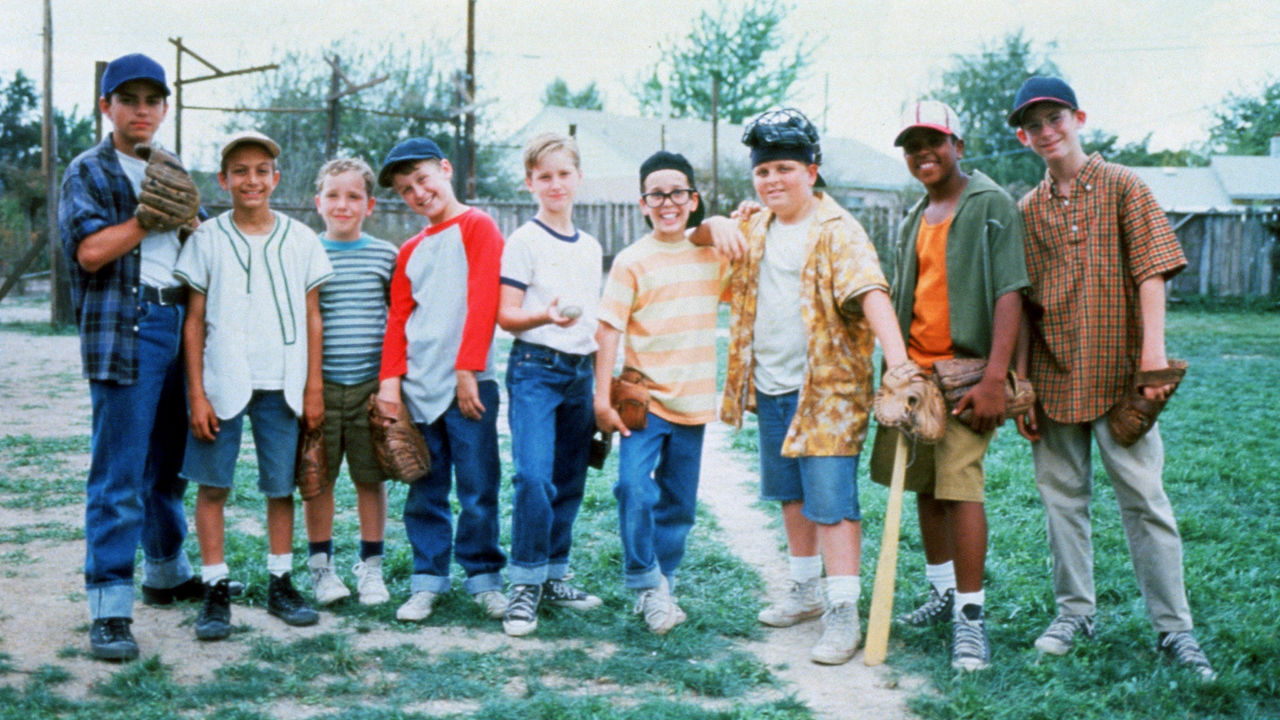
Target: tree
(1246,123)
(559,94)
(742,47)
(1140,154)
(981,87)
(419,98)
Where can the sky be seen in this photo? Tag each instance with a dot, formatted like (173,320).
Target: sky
(1137,66)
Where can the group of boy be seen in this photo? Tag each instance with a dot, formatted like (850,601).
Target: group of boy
(297,331)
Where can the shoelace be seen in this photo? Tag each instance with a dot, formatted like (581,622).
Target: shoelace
(115,629)
(1064,627)
(970,641)
(522,603)
(1185,649)
(654,605)
(930,611)
(561,590)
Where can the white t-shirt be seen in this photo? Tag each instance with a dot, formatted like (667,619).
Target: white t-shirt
(546,265)
(159,250)
(780,343)
(265,353)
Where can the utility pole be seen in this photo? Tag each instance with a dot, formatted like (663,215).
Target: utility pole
(179,82)
(61,312)
(469,132)
(331,129)
(715,142)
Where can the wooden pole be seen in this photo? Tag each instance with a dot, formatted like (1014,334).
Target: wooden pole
(99,68)
(715,142)
(177,101)
(61,312)
(470,130)
(331,129)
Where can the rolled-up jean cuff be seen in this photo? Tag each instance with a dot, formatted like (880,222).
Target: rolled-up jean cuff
(429,583)
(115,600)
(528,574)
(650,578)
(556,570)
(166,574)
(482,583)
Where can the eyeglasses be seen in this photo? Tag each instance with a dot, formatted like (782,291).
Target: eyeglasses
(677,197)
(1053,120)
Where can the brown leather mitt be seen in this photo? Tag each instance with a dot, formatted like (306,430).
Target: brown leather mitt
(169,198)
(397,445)
(311,464)
(957,376)
(1134,415)
(909,401)
(629,396)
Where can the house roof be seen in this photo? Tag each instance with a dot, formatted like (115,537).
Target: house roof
(613,146)
(1248,177)
(1229,183)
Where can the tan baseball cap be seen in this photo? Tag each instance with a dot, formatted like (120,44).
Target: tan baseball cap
(251,137)
(933,114)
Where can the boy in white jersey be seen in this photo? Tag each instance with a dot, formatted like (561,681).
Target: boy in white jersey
(353,306)
(663,294)
(550,289)
(252,343)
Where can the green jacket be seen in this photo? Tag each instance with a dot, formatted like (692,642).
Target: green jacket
(984,261)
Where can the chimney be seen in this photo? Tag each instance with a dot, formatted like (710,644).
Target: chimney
(1275,146)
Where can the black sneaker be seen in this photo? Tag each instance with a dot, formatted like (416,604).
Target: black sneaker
(111,639)
(521,616)
(1181,647)
(214,621)
(561,594)
(285,603)
(970,648)
(937,609)
(191,589)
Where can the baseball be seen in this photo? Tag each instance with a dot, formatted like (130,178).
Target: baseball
(571,311)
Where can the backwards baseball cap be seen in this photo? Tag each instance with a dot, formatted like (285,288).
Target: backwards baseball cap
(251,137)
(1041,89)
(132,67)
(663,160)
(932,114)
(784,134)
(416,148)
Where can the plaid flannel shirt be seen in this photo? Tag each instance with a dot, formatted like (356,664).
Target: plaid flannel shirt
(1086,255)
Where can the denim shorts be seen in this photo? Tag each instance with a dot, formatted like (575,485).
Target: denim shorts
(827,485)
(275,435)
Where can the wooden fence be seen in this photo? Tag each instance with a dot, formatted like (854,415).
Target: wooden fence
(1229,254)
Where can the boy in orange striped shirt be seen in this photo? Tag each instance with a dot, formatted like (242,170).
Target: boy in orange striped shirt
(662,294)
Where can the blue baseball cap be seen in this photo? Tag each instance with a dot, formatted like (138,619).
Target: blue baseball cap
(132,67)
(417,148)
(1041,89)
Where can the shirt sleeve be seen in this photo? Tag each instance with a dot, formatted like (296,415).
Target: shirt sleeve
(192,266)
(517,262)
(483,244)
(1008,259)
(1149,240)
(82,206)
(855,267)
(395,345)
(319,268)
(618,297)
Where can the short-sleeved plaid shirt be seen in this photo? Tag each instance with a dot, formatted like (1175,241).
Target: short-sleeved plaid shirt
(1086,255)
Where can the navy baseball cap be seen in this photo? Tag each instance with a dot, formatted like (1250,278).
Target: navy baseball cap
(663,160)
(1041,89)
(132,67)
(418,148)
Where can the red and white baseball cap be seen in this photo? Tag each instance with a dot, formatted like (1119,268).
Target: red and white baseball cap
(933,114)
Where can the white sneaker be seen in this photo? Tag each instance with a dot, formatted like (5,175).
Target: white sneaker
(493,602)
(417,607)
(840,635)
(802,602)
(659,609)
(369,583)
(327,587)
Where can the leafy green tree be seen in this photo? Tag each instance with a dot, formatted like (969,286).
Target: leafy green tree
(981,88)
(559,94)
(1246,123)
(742,46)
(1139,153)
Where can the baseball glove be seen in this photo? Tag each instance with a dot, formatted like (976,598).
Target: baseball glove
(598,451)
(629,396)
(1134,415)
(909,401)
(398,446)
(169,199)
(311,464)
(957,376)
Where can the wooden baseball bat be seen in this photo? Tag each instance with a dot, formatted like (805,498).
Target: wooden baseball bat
(887,566)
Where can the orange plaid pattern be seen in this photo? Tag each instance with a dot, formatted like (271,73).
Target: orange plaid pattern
(1086,255)
(840,265)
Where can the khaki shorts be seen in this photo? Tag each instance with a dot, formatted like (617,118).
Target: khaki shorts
(949,470)
(346,430)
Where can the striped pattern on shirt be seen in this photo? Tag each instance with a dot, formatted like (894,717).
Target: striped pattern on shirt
(664,297)
(353,306)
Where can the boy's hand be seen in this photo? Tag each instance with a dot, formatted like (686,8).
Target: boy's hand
(1153,360)
(726,237)
(987,400)
(562,317)
(1027,426)
(469,395)
(745,210)
(608,420)
(204,422)
(313,408)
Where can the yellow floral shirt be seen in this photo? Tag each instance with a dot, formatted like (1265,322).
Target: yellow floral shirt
(835,399)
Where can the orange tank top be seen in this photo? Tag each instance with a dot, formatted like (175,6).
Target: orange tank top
(930,338)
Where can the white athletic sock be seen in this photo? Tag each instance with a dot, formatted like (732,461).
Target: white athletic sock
(805,568)
(843,588)
(942,576)
(211,574)
(970,598)
(278,565)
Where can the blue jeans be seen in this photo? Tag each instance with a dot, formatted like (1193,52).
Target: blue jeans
(657,493)
(134,495)
(467,450)
(551,417)
(827,485)
(275,438)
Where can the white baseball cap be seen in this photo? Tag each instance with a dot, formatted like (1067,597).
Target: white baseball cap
(933,114)
(251,137)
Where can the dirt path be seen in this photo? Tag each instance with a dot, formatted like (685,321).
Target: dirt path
(848,691)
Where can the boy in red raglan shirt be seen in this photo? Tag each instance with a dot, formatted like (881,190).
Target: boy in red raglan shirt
(436,356)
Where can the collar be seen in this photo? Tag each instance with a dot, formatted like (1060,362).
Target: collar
(1084,179)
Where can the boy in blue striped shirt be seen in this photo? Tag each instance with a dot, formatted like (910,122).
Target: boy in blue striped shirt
(353,306)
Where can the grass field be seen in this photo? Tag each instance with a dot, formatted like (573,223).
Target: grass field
(1222,464)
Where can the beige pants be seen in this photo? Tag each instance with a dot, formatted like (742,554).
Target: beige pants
(1064,476)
